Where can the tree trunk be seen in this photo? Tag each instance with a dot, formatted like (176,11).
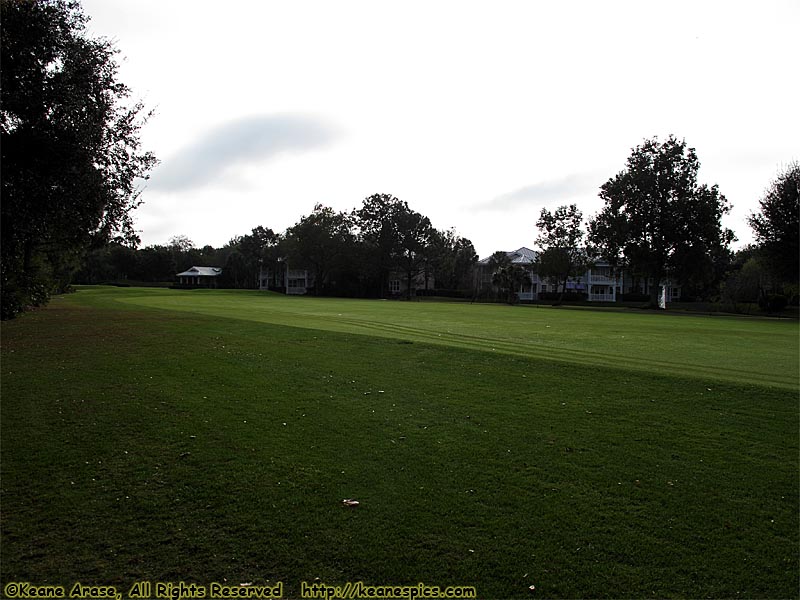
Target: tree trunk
(384,283)
(317,280)
(563,291)
(654,296)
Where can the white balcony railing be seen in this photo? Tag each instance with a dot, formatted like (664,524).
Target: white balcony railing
(602,279)
(601,298)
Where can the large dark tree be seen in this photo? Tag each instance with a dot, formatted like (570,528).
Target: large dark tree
(747,281)
(155,263)
(657,219)
(245,255)
(69,138)
(322,241)
(507,276)
(396,236)
(449,260)
(414,232)
(563,253)
(777,225)
(183,252)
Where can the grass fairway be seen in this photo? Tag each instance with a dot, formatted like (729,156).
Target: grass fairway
(210,436)
(743,350)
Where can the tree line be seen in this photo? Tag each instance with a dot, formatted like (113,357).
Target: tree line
(71,154)
(72,165)
(660,224)
(768,271)
(351,253)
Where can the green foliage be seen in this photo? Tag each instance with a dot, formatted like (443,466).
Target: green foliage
(395,235)
(563,253)
(117,263)
(123,261)
(777,225)
(181,243)
(451,259)
(657,219)
(245,256)
(322,241)
(498,260)
(773,303)
(350,254)
(415,231)
(746,283)
(156,263)
(235,272)
(508,278)
(375,221)
(69,138)
(752,280)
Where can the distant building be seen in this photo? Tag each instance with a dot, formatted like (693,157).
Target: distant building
(420,282)
(199,277)
(297,282)
(600,282)
(522,257)
(294,282)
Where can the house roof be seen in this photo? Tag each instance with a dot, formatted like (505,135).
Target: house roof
(201,272)
(521,256)
(526,256)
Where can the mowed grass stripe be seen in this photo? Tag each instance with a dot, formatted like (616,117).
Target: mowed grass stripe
(744,350)
(539,351)
(165,445)
(152,444)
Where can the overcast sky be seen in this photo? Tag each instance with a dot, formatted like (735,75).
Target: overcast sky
(477,114)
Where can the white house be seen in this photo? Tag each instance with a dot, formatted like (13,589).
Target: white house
(600,282)
(398,283)
(603,283)
(297,282)
(523,257)
(199,277)
(294,282)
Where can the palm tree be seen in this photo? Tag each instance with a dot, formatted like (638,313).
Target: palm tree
(509,278)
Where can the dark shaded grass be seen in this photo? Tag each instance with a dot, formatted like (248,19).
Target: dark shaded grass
(161,446)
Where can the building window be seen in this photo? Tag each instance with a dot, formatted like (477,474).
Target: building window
(296,283)
(394,286)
